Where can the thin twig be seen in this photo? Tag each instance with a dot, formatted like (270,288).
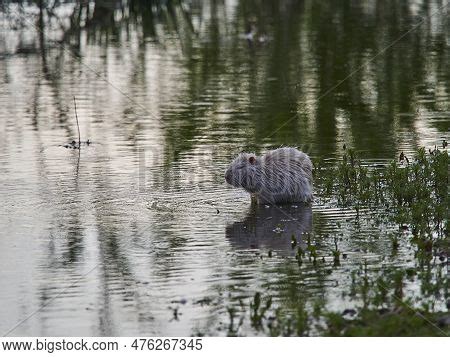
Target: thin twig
(78,126)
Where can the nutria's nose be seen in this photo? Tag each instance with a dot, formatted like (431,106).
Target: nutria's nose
(228,176)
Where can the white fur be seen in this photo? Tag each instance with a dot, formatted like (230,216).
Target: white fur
(283,175)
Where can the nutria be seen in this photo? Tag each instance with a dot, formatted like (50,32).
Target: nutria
(283,175)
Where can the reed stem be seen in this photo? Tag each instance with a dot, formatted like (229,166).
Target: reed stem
(78,125)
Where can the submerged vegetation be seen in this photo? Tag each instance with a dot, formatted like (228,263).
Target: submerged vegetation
(408,199)
(412,193)
(384,311)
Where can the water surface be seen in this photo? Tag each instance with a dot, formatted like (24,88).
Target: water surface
(112,239)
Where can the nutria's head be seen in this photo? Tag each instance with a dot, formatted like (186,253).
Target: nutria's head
(245,172)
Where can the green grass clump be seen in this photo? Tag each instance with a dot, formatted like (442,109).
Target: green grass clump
(381,308)
(401,322)
(412,194)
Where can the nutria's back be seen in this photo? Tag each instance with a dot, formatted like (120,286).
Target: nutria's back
(283,175)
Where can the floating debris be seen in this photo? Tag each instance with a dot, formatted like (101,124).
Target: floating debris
(76,145)
(182,301)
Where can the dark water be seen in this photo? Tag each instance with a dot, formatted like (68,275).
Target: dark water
(112,239)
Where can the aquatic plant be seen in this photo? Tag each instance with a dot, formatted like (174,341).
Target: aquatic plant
(386,311)
(408,198)
(410,193)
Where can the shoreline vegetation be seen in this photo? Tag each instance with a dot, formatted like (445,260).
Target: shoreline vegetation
(409,198)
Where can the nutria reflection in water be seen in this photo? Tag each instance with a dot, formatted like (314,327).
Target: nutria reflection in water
(271,227)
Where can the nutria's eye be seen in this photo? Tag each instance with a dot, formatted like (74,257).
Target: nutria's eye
(252,160)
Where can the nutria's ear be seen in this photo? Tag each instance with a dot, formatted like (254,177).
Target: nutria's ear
(252,160)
